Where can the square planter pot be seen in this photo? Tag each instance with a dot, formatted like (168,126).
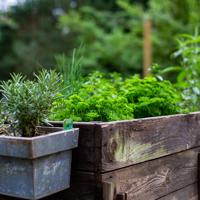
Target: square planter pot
(33,168)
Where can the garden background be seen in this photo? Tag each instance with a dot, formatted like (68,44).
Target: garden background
(109,34)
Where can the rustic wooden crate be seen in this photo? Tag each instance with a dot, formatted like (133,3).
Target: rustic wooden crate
(154,158)
(144,158)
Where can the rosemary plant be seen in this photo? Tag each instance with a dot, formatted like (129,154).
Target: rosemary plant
(29,103)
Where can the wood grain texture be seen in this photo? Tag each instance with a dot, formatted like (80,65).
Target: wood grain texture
(156,178)
(113,145)
(188,193)
(131,142)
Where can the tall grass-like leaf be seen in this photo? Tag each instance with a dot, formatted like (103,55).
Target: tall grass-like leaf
(71,71)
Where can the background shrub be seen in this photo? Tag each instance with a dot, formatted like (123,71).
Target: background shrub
(111,33)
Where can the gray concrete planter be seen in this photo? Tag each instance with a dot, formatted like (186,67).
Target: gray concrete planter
(32,168)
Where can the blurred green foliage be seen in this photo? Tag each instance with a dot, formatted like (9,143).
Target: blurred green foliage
(110,31)
(110,43)
(114,40)
(188,78)
(187,71)
(7,58)
(170,19)
(35,41)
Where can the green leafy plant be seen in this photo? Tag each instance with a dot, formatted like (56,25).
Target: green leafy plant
(111,98)
(96,100)
(151,97)
(188,80)
(27,102)
(187,72)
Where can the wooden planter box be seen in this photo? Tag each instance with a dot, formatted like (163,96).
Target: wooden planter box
(152,158)
(32,168)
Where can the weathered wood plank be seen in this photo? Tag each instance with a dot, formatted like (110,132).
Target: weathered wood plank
(188,193)
(130,142)
(156,178)
(108,146)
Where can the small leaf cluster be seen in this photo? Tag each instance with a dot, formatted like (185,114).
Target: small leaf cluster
(27,102)
(102,98)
